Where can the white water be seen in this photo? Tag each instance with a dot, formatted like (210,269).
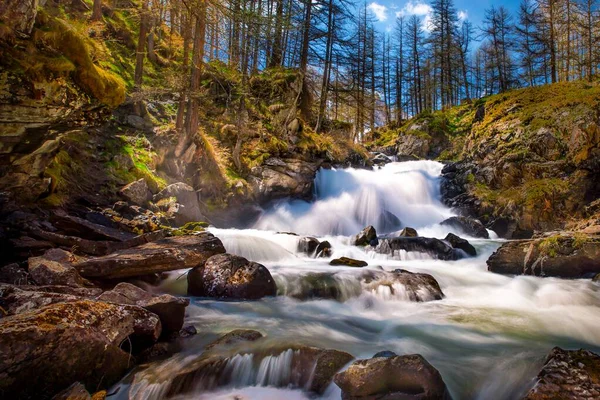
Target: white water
(488,337)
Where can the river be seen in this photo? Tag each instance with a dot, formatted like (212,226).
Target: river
(488,336)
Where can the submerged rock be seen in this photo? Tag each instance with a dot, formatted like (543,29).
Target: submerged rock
(348,262)
(230,276)
(460,243)
(568,374)
(434,247)
(236,336)
(392,377)
(388,222)
(563,256)
(308,245)
(163,255)
(365,237)
(469,226)
(46,350)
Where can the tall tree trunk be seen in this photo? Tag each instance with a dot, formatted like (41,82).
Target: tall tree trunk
(327,70)
(97,10)
(187,36)
(140,54)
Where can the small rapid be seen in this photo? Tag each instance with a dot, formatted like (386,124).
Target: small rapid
(487,336)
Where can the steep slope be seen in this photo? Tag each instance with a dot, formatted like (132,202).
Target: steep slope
(522,161)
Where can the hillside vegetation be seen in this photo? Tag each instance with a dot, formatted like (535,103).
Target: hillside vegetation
(530,155)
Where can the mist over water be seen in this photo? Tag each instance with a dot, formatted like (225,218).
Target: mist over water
(488,337)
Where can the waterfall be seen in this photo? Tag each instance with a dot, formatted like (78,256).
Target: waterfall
(348,200)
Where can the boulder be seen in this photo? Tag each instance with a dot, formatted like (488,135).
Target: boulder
(74,392)
(460,243)
(395,377)
(46,350)
(230,276)
(167,254)
(236,336)
(136,192)
(380,159)
(187,208)
(418,287)
(308,245)
(388,222)
(434,247)
(568,374)
(279,178)
(365,237)
(408,232)
(323,249)
(55,267)
(596,278)
(14,274)
(469,226)
(348,262)
(170,309)
(79,227)
(562,256)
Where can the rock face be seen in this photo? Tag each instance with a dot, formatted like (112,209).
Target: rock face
(348,262)
(469,226)
(388,222)
(395,377)
(163,255)
(460,243)
(69,342)
(279,178)
(187,208)
(568,374)
(19,15)
(170,309)
(136,192)
(229,276)
(365,237)
(563,256)
(434,247)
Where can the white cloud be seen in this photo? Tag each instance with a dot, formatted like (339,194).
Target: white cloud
(379,10)
(463,15)
(419,9)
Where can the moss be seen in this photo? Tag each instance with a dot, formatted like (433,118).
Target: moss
(550,246)
(191,228)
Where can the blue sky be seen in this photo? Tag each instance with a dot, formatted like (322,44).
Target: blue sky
(386,10)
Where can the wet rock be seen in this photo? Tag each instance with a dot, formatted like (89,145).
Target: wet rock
(469,226)
(14,274)
(388,222)
(69,342)
(568,374)
(170,309)
(364,237)
(235,337)
(434,247)
(55,267)
(460,243)
(279,178)
(136,192)
(408,232)
(348,262)
(596,278)
(380,159)
(187,208)
(229,276)
(163,255)
(385,353)
(74,392)
(308,245)
(397,377)
(323,249)
(563,256)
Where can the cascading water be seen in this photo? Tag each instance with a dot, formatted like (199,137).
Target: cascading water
(488,336)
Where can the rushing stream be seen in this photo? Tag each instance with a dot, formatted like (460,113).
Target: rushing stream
(488,336)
